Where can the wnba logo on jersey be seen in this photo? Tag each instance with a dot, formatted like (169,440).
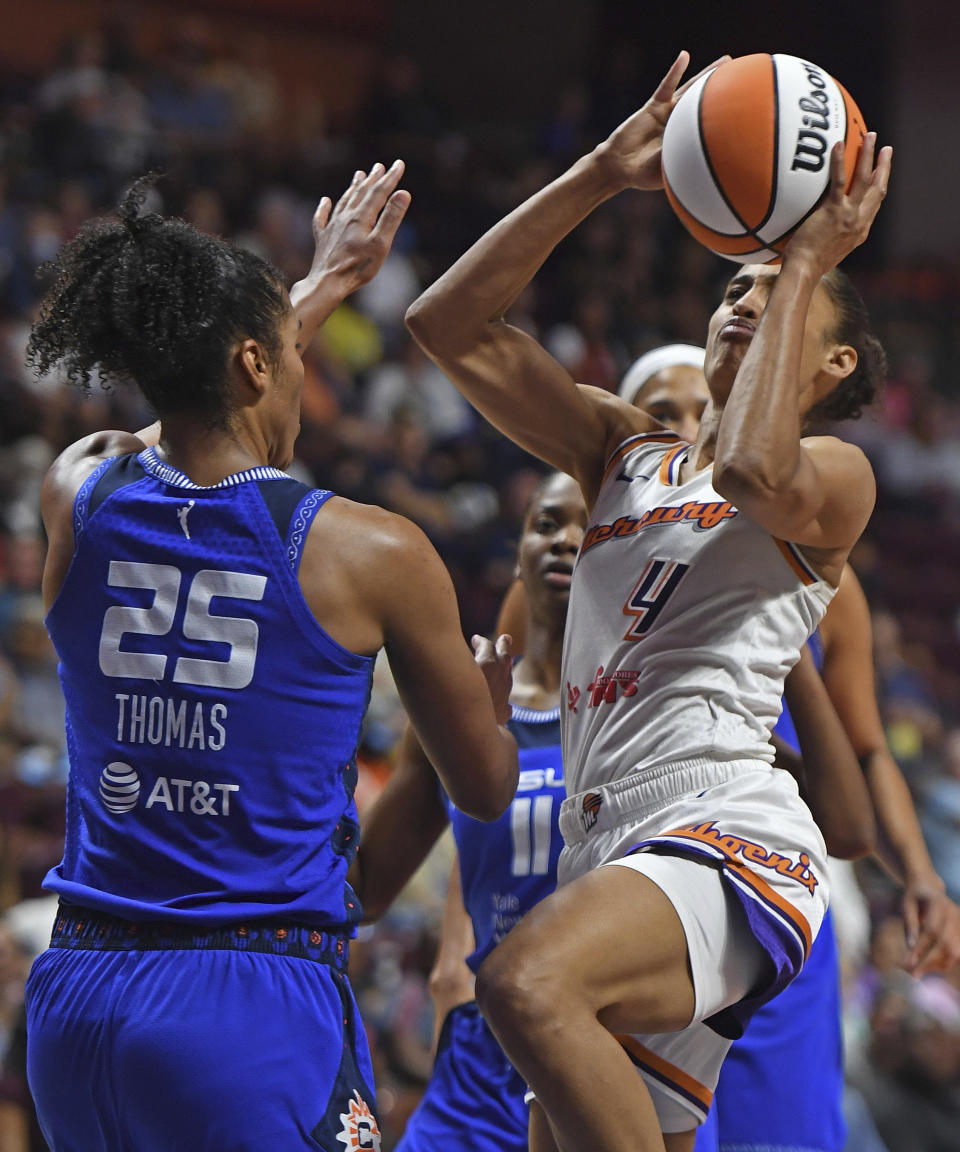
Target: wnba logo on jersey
(360,1129)
(119,787)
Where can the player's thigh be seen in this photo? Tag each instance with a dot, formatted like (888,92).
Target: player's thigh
(611,942)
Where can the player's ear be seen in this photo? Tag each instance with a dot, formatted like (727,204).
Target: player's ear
(842,361)
(252,368)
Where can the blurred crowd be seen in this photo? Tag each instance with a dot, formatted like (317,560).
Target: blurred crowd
(381,424)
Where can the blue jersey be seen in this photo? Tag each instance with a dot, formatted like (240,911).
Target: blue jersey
(212,724)
(475,1097)
(762,1101)
(510,865)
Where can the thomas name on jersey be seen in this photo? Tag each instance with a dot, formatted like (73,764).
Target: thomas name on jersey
(172,723)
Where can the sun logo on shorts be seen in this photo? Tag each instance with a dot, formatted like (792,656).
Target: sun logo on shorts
(590,810)
(360,1130)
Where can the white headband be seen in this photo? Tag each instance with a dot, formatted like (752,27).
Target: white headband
(650,363)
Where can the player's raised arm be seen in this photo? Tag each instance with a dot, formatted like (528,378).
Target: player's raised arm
(820,492)
(503,372)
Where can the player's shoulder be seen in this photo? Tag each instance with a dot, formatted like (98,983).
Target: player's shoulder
(71,468)
(620,422)
(368,538)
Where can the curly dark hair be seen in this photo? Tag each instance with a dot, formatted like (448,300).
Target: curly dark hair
(152,301)
(864,384)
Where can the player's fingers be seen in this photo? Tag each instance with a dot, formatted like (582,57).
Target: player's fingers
(347,198)
(322,215)
(934,957)
(838,172)
(391,217)
(483,650)
(911,924)
(376,193)
(881,174)
(668,85)
(863,171)
(504,647)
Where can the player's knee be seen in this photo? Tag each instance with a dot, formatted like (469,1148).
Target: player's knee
(517,995)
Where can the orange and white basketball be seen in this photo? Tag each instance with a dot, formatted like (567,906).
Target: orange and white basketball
(746,152)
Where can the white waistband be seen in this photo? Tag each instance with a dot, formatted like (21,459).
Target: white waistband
(644,793)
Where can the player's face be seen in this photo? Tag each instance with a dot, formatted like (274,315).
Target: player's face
(676,397)
(734,323)
(288,382)
(552,535)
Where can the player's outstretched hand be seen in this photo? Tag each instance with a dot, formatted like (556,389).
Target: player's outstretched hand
(351,240)
(496,663)
(843,220)
(631,154)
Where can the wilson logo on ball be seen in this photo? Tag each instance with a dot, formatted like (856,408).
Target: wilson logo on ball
(746,152)
(119,787)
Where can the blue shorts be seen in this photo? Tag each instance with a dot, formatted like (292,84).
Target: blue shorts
(247,1038)
(474,1101)
(781,1084)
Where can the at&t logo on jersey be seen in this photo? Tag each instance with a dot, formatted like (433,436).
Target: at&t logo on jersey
(119,787)
(360,1129)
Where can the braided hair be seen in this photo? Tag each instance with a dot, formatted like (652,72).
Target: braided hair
(150,300)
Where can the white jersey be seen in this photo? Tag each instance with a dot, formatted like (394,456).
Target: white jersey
(685,618)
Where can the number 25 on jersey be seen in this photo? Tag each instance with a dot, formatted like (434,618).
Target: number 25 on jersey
(241,635)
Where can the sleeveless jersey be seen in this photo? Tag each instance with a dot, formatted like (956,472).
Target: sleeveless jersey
(509,865)
(685,617)
(212,724)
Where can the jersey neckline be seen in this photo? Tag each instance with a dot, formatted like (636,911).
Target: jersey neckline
(161,470)
(534,715)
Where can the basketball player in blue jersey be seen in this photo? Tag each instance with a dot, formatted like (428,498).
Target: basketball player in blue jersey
(216,624)
(474,1101)
(692,879)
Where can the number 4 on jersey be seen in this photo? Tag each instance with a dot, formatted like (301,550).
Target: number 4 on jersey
(656,585)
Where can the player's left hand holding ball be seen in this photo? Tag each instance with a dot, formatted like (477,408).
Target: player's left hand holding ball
(631,154)
(843,220)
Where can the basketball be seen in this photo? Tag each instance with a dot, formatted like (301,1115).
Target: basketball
(746,152)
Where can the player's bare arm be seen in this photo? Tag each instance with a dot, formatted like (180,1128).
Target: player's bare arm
(819,492)
(404,602)
(451,982)
(832,781)
(931,919)
(400,829)
(502,371)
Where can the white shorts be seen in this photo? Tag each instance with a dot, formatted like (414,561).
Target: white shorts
(737,853)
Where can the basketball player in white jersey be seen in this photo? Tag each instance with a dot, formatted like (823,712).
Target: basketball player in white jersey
(703,571)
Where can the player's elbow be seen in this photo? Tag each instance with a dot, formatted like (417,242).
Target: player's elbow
(486,795)
(854,839)
(744,482)
(445,333)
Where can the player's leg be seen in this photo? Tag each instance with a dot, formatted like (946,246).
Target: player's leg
(643,947)
(605,954)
